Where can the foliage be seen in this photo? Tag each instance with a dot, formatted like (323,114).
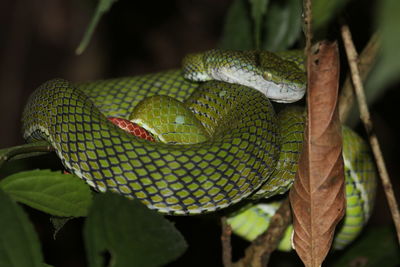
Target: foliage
(140,237)
(102,7)
(19,244)
(136,236)
(387,69)
(275,27)
(366,251)
(50,192)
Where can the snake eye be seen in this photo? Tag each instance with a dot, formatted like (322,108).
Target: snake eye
(267,76)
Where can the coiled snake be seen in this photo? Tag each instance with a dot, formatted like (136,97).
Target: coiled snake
(228,147)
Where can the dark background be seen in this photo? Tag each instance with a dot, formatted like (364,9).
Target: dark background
(37,43)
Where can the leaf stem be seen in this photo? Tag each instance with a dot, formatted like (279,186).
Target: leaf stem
(23,151)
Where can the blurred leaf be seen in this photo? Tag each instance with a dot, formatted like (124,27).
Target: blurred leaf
(276,28)
(237,33)
(52,192)
(387,69)
(282,24)
(324,11)
(258,9)
(19,244)
(102,7)
(376,248)
(133,234)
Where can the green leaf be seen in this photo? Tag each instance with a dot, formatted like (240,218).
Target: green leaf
(102,7)
(52,192)
(282,24)
(387,68)
(324,11)
(237,33)
(377,247)
(258,9)
(133,234)
(19,244)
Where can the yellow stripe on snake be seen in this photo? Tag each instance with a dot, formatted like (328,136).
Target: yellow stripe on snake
(219,141)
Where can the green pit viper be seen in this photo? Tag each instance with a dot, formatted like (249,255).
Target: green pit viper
(220,141)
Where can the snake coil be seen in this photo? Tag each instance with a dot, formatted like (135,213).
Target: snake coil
(230,146)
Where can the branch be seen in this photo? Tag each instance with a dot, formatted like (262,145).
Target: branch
(308,25)
(365,63)
(366,119)
(259,252)
(226,243)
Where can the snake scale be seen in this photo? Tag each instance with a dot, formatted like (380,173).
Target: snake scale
(220,141)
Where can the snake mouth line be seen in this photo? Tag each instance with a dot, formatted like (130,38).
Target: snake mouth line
(277,92)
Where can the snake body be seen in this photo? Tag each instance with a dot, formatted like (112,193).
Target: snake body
(237,149)
(175,179)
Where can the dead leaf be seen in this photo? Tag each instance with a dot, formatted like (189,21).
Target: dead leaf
(318,194)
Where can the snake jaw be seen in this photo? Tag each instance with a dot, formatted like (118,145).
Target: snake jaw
(283,93)
(280,91)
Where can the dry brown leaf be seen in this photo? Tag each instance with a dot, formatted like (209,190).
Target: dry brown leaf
(318,196)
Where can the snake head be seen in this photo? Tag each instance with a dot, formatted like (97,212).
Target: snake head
(279,79)
(284,80)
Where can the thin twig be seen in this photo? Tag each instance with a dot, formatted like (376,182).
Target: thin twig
(226,243)
(308,25)
(259,252)
(365,63)
(366,119)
